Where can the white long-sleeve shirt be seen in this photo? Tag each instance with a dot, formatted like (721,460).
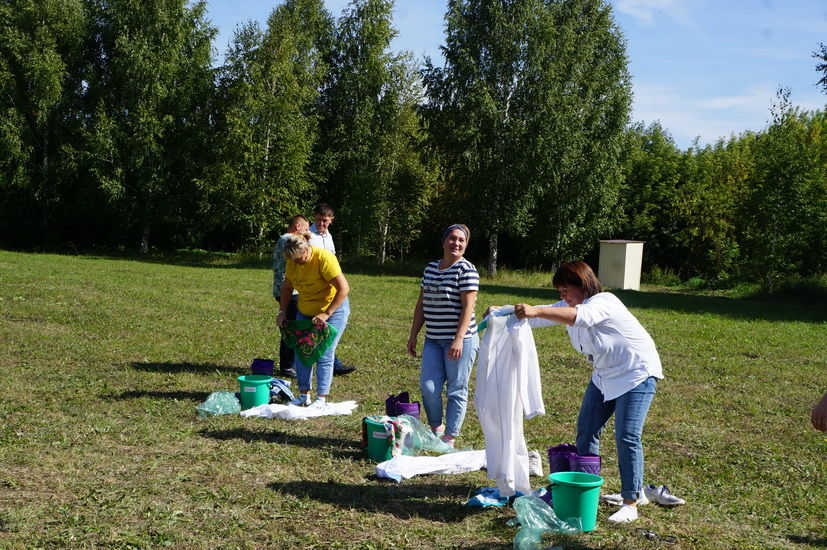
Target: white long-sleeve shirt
(621,351)
(507,390)
(320,240)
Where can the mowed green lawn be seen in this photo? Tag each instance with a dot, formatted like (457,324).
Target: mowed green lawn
(103,362)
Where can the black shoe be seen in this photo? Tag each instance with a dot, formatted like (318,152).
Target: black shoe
(343,369)
(287,373)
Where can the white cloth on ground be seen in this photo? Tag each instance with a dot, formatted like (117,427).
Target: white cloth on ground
(508,389)
(292,412)
(405,467)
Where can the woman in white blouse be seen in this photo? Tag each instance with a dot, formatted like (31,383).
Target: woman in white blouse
(625,364)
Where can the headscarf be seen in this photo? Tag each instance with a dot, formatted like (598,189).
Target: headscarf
(452,227)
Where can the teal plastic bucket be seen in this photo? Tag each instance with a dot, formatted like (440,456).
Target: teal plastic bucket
(379,448)
(255,390)
(575,495)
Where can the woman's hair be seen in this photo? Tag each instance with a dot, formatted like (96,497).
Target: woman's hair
(296,245)
(577,274)
(461,226)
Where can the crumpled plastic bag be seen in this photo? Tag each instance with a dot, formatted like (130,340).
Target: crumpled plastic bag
(422,438)
(536,518)
(219,402)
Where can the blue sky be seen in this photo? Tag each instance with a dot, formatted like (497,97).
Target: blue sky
(703,68)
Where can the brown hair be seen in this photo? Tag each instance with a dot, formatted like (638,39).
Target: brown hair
(323,209)
(577,274)
(295,219)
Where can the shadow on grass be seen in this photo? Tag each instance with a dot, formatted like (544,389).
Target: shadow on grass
(811,541)
(196,396)
(340,448)
(735,308)
(202,368)
(438,502)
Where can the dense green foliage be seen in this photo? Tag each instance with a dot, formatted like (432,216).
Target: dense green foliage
(118,128)
(530,110)
(753,207)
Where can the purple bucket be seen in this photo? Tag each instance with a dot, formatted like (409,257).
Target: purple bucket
(589,464)
(411,409)
(401,404)
(263,367)
(559,455)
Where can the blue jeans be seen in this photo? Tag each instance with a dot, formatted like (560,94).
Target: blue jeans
(438,371)
(630,411)
(324,366)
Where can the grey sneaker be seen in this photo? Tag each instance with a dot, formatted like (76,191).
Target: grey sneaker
(616,500)
(661,495)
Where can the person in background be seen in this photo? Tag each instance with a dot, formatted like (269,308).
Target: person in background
(287,356)
(626,367)
(447,295)
(819,414)
(323,291)
(320,237)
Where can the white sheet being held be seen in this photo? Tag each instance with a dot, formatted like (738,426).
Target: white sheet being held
(508,390)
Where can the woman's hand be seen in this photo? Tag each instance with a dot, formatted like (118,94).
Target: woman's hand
(455,351)
(525,311)
(281,319)
(320,320)
(412,345)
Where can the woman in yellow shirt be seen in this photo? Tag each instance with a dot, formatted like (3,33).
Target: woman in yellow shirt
(315,274)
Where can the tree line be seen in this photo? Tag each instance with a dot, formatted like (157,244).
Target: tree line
(117,129)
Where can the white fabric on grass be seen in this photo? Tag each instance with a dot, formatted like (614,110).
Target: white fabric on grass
(292,412)
(405,467)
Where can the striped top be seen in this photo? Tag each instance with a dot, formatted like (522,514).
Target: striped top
(442,300)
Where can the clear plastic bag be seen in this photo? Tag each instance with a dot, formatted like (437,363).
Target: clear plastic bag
(421,438)
(537,518)
(219,402)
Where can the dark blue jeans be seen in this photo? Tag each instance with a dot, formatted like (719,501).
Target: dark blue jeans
(630,411)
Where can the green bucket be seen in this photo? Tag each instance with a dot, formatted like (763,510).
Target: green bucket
(379,448)
(255,390)
(575,495)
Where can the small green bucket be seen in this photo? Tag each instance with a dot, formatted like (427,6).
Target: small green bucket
(379,448)
(255,390)
(575,495)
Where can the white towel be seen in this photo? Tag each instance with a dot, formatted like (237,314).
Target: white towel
(292,412)
(405,467)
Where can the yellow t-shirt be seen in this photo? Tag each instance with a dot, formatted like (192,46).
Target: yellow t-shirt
(312,280)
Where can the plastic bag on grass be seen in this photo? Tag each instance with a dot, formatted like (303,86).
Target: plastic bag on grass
(219,402)
(536,518)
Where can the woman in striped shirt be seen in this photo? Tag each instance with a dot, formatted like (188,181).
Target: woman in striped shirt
(447,296)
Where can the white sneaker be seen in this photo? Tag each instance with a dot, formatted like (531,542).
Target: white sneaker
(661,495)
(626,514)
(318,403)
(617,500)
(535,464)
(303,400)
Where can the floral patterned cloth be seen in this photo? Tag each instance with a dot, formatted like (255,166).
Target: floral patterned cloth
(310,341)
(397,430)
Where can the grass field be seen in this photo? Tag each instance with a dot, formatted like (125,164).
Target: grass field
(104,360)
